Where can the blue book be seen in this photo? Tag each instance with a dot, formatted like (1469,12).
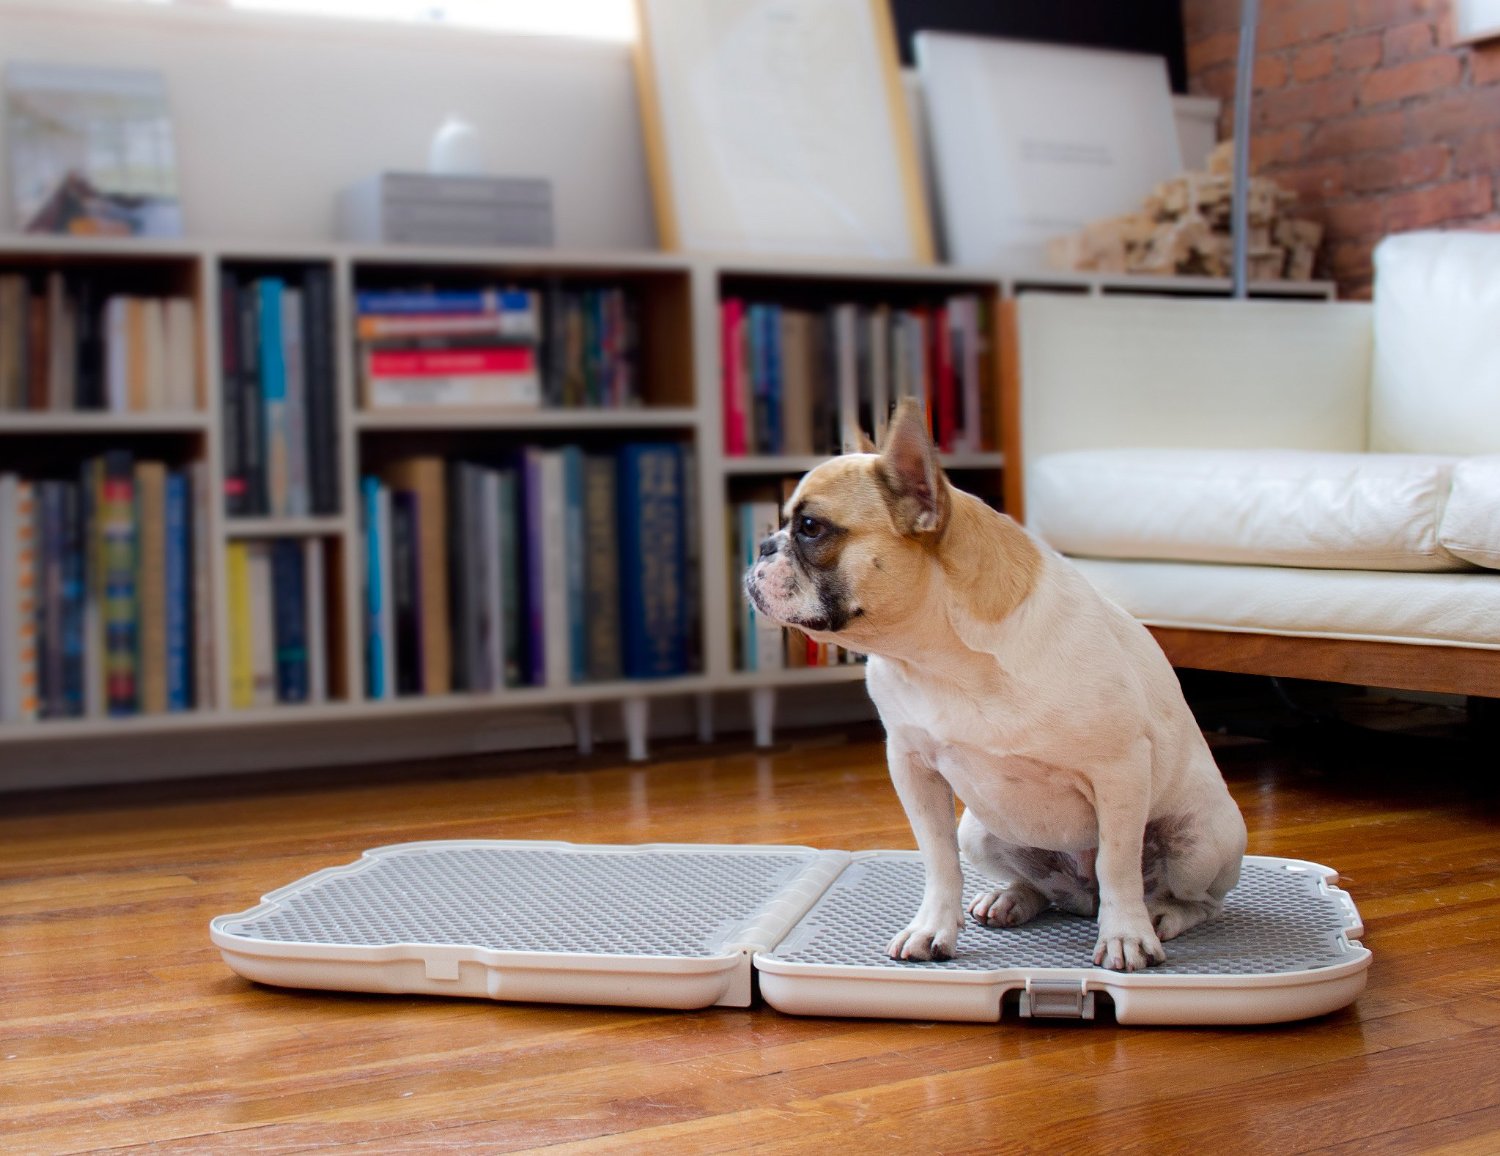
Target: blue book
(179,586)
(289,615)
(577,546)
(273,396)
(532,537)
(771,346)
(653,560)
(746,539)
(374,609)
(72,592)
(407,301)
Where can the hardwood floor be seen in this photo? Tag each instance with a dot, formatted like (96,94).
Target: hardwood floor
(120,1026)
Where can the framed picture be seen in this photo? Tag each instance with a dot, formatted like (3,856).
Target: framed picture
(780,126)
(1032,141)
(1475,20)
(91,151)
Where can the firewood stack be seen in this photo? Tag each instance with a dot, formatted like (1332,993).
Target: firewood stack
(1184,228)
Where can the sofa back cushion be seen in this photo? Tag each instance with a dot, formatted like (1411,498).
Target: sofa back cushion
(1267,507)
(1471,523)
(1436,378)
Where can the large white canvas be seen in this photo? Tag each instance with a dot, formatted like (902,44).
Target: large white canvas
(1033,141)
(779,128)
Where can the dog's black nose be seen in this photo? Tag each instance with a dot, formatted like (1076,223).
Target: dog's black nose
(768,546)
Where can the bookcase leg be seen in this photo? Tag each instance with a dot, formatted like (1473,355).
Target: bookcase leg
(637,716)
(763,712)
(705,707)
(583,727)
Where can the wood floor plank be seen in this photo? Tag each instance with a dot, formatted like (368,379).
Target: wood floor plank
(121,1029)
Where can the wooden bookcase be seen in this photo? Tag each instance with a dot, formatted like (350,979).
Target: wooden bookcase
(680,353)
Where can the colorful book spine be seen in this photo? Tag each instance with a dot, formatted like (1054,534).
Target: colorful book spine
(652,560)
(289,620)
(91,489)
(731,317)
(203,630)
(496,376)
(117,514)
(557,647)
(533,519)
(151,584)
(298,497)
(317,620)
(180,609)
(263,620)
(491,579)
(74,596)
(241,627)
(511,584)
(49,599)
(576,546)
(273,385)
(236,483)
(375,642)
(602,570)
(519,306)
(18,701)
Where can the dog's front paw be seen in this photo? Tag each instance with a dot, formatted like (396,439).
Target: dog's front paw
(1127,945)
(927,937)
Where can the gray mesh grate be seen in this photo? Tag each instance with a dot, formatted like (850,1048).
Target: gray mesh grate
(1274,921)
(543,899)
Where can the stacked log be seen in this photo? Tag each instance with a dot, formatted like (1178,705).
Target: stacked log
(1183,228)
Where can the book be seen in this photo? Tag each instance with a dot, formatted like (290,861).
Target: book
(317,620)
(13,325)
(798,378)
(298,498)
(463,593)
(117,512)
(511,584)
(553,547)
(601,568)
(252,403)
(321,386)
(262,620)
(151,499)
(49,600)
(375,643)
(289,619)
(273,386)
(519,307)
(576,562)
(532,521)
(179,592)
(180,340)
(731,322)
(71,640)
(18,698)
(491,578)
(376,326)
(767,643)
(492,376)
(203,631)
(241,627)
(232,397)
(425,478)
(405,586)
(91,500)
(652,560)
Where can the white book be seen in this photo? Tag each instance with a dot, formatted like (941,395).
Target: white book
(557,645)
(492,575)
(317,620)
(769,640)
(262,624)
(846,362)
(181,384)
(204,694)
(156,354)
(117,353)
(298,496)
(387,592)
(507,390)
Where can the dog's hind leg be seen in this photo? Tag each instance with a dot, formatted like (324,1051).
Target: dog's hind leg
(1030,879)
(1188,875)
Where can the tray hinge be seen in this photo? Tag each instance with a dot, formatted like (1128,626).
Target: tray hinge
(1065,999)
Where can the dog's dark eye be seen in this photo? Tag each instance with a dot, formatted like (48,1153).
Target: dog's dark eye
(809,528)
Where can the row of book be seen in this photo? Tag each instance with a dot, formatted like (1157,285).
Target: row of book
(498,347)
(279,419)
(795,381)
(278,622)
(759,643)
(68,344)
(103,591)
(558,566)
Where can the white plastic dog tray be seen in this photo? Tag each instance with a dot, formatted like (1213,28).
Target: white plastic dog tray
(684,925)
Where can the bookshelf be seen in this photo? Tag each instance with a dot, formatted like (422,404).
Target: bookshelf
(681,402)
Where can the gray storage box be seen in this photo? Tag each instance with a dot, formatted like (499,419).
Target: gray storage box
(443,209)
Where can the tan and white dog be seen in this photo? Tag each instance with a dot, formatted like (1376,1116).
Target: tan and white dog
(1003,678)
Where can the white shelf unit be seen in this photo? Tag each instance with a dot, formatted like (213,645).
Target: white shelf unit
(684,402)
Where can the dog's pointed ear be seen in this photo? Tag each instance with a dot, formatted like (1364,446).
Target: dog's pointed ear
(856,441)
(908,469)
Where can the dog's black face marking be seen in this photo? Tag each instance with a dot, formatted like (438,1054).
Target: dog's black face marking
(816,544)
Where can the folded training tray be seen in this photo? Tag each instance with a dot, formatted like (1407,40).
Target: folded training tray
(693,925)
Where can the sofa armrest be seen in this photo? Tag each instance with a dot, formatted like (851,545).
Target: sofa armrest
(1122,372)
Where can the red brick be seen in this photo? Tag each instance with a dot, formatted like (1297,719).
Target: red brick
(1484,64)
(1414,78)
(1270,72)
(1479,153)
(1350,259)
(1358,52)
(1357,134)
(1451,117)
(1281,147)
(1401,169)
(1306,102)
(1382,13)
(1405,41)
(1313,62)
(1364,218)
(1313,20)
(1454,201)
(1204,18)
(1313,183)
(1220,48)
(1217,82)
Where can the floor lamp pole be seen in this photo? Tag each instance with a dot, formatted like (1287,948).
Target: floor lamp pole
(1239,223)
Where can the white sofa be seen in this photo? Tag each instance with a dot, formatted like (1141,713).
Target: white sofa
(1292,488)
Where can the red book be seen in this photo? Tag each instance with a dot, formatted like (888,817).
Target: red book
(731,323)
(452,362)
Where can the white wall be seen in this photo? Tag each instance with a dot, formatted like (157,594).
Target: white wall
(275,114)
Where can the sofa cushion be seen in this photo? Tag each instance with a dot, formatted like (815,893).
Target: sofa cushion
(1435,384)
(1451,609)
(1262,507)
(1471,523)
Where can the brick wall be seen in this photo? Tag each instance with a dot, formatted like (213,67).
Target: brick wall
(1365,108)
